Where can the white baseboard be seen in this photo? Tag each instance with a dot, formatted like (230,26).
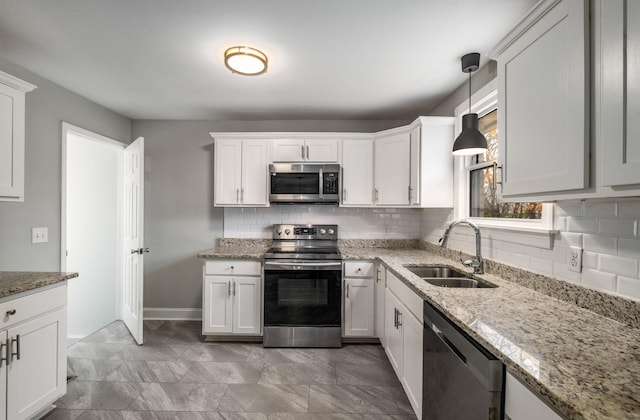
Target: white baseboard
(175,314)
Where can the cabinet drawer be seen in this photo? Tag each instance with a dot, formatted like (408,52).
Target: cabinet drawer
(407,296)
(358,269)
(32,305)
(233,267)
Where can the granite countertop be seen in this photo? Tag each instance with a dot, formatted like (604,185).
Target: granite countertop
(586,365)
(13,282)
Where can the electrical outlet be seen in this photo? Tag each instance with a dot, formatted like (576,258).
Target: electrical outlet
(39,235)
(574,258)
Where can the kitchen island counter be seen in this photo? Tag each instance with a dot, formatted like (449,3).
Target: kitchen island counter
(14,282)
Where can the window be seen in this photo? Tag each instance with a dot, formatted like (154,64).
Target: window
(477,177)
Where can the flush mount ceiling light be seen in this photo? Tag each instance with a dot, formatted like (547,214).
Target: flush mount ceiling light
(245,60)
(470,141)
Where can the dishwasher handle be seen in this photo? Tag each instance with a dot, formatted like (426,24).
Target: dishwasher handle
(449,344)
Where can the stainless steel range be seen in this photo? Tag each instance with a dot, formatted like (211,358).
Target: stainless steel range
(302,293)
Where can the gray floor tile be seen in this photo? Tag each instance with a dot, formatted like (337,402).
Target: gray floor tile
(224,372)
(116,332)
(219,416)
(84,350)
(100,395)
(286,355)
(149,371)
(179,397)
(265,398)
(298,373)
(369,374)
(218,352)
(151,352)
(314,416)
(352,353)
(390,417)
(356,399)
(92,369)
(63,414)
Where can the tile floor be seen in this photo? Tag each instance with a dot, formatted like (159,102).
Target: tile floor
(175,375)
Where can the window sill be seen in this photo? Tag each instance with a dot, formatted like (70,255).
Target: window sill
(519,234)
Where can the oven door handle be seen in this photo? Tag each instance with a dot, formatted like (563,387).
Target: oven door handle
(268,265)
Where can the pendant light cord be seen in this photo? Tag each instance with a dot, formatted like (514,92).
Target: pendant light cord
(469,92)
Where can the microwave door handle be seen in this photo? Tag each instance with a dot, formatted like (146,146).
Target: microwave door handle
(321,186)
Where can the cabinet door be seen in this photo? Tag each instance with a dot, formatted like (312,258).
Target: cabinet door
(434,184)
(247,308)
(391,168)
(393,332)
(522,404)
(227,171)
(38,375)
(288,150)
(620,106)
(254,173)
(11,144)
(321,150)
(358,309)
(217,305)
(544,104)
(412,360)
(414,167)
(357,173)
(379,304)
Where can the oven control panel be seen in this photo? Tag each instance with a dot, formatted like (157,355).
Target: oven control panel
(305,232)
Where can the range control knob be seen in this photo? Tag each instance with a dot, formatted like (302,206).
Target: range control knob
(279,231)
(331,232)
(287,232)
(323,231)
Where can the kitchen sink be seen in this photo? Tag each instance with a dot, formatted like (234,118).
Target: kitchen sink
(458,282)
(437,272)
(442,276)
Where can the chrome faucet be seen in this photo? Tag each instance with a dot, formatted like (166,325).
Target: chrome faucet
(477,263)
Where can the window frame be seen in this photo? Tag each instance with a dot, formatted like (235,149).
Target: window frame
(483,101)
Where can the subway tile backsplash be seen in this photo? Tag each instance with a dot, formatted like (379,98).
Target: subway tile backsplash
(607,230)
(354,223)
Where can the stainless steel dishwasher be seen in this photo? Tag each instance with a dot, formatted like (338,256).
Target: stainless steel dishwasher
(461,379)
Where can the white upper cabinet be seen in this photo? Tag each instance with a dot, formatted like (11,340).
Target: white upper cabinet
(619,51)
(357,172)
(241,172)
(12,122)
(431,175)
(305,150)
(543,112)
(391,169)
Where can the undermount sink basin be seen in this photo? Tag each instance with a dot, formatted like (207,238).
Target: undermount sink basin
(448,277)
(458,282)
(436,272)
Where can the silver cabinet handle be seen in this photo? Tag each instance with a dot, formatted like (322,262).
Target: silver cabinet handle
(229,288)
(344,195)
(242,195)
(234,287)
(399,319)
(375,195)
(17,352)
(495,176)
(395,318)
(307,152)
(139,251)
(11,312)
(410,193)
(302,150)
(347,291)
(237,195)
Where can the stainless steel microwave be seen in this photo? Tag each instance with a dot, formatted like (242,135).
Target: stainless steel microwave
(304,183)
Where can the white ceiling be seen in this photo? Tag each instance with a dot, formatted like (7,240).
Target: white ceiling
(331,59)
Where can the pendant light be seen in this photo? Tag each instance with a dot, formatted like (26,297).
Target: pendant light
(470,141)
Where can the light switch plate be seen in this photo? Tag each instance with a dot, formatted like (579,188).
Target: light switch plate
(39,235)
(574,258)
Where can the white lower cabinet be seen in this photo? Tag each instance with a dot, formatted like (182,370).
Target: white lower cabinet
(359,291)
(403,338)
(232,298)
(33,370)
(520,403)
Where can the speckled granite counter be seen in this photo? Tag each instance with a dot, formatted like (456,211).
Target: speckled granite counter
(586,365)
(13,282)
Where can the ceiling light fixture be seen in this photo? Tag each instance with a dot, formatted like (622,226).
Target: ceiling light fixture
(245,60)
(470,141)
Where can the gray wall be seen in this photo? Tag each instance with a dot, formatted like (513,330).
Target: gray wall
(480,78)
(46,108)
(180,219)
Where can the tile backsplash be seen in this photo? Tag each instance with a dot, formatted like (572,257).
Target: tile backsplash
(606,230)
(354,223)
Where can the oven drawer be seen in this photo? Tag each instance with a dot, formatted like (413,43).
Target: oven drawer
(358,269)
(232,267)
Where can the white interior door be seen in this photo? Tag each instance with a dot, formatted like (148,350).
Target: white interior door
(132,290)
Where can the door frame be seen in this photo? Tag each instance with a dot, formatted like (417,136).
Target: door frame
(68,128)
